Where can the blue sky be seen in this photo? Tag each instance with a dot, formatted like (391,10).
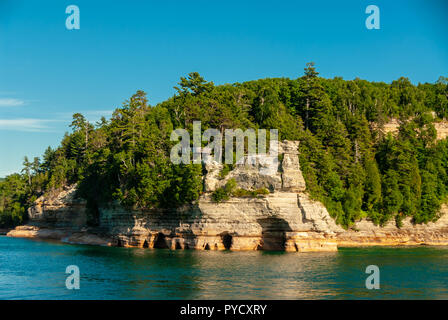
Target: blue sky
(47,72)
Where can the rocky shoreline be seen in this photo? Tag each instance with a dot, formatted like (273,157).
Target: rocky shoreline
(4,232)
(286,219)
(433,234)
(63,235)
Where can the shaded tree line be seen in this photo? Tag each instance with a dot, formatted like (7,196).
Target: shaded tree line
(347,161)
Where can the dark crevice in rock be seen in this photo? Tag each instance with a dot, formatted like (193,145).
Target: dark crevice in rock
(160,242)
(274,233)
(227,240)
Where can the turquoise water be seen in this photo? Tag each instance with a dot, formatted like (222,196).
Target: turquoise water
(32,269)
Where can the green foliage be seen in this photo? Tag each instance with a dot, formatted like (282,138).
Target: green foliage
(224,193)
(226,168)
(347,161)
(230,189)
(13,200)
(242,193)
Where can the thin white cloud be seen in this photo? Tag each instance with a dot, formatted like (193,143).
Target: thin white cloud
(91,115)
(97,114)
(11,102)
(44,125)
(29,125)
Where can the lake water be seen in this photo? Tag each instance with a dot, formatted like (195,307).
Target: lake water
(32,269)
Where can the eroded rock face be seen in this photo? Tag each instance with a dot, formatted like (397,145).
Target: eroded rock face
(62,209)
(314,213)
(286,219)
(292,178)
(273,222)
(211,180)
(441,128)
(368,234)
(251,173)
(262,171)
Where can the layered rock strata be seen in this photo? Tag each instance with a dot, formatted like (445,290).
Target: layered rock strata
(285,219)
(441,128)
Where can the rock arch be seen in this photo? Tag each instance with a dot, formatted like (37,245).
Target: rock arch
(273,234)
(227,240)
(160,241)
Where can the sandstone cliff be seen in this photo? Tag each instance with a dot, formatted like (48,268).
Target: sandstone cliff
(441,128)
(285,219)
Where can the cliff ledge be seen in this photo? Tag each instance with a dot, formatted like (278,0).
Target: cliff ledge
(285,219)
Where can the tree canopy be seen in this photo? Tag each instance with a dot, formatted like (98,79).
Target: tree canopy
(347,161)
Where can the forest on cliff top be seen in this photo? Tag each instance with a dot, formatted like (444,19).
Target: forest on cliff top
(347,161)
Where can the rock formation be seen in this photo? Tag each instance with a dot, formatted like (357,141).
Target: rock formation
(285,219)
(441,128)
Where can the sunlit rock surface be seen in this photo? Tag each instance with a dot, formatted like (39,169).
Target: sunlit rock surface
(285,219)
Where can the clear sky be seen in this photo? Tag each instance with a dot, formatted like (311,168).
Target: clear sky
(47,72)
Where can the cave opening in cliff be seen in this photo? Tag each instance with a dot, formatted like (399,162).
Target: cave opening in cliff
(145,244)
(227,241)
(160,242)
(178,246)
(207,247)
(273,234)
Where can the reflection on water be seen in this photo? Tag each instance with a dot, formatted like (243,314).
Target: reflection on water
(36,270)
